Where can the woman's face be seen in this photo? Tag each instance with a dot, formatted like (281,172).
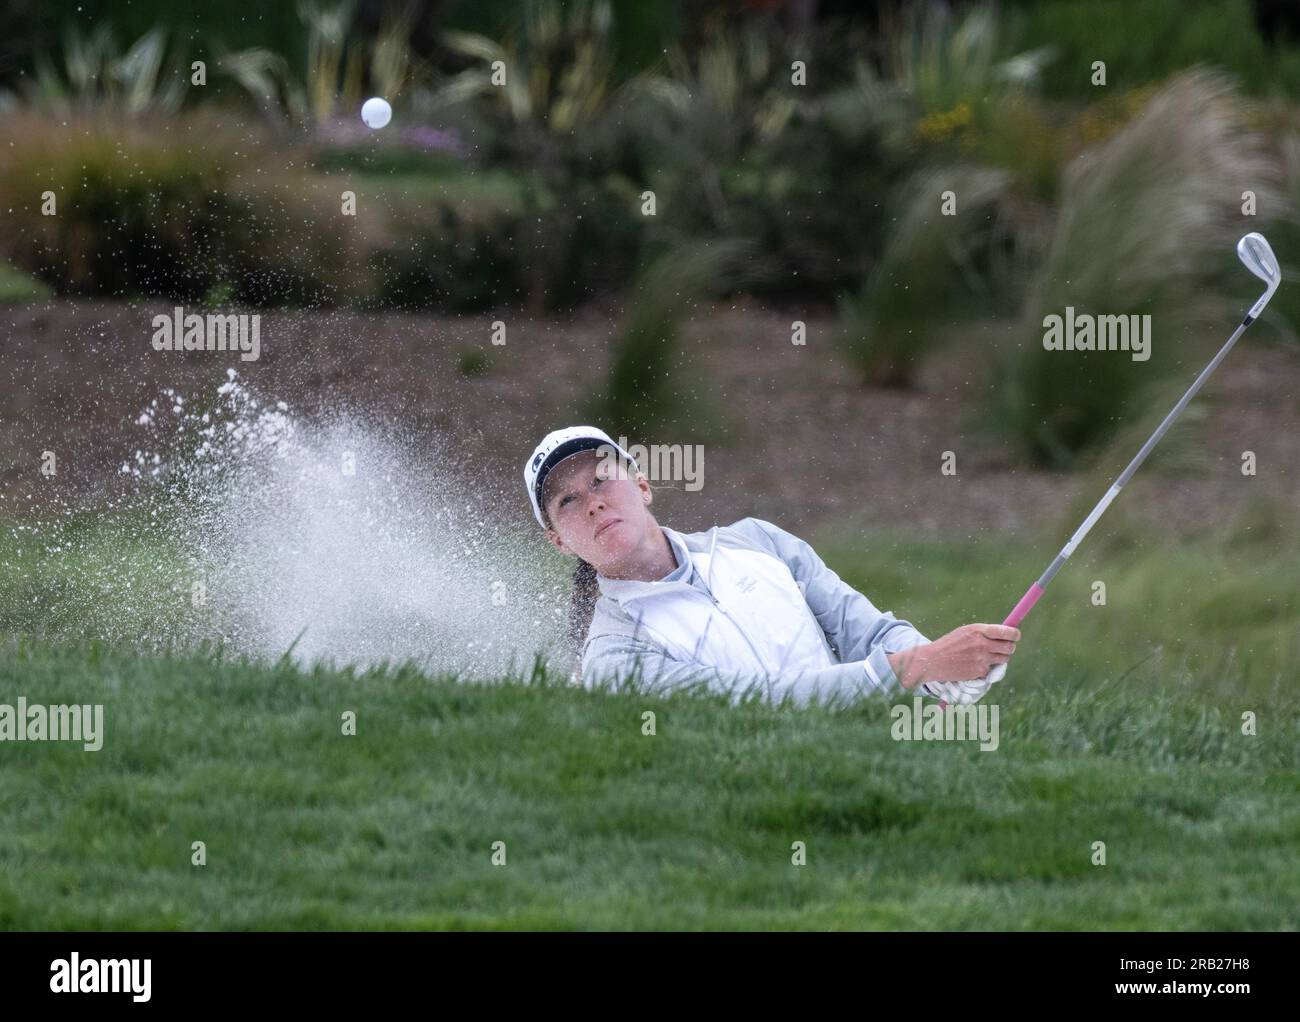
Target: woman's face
(593,512)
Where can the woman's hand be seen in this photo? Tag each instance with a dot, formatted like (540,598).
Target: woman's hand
(963,654)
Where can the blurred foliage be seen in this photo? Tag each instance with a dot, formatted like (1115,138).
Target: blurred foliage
(927,266)
(545,100)
(957,71)
(639,31)
(341,68)
(735,148)
(1281,320)
(451,256)
(29,27)
(648,387)
(33,27)
(465,242)
(989,153)
(719,139)
(142,212)
(17,287)
(1145,41)
(1141,228)
(529,192)
(96,76)
(554,80)
(973,99)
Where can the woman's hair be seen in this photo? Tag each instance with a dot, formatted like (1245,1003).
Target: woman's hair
(582,603)
(582,606)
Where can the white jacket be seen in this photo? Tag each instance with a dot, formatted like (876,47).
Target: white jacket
(749,608)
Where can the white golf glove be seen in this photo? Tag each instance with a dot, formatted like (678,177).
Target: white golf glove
(961,693)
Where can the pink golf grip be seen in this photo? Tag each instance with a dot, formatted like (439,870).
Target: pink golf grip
(1024,606)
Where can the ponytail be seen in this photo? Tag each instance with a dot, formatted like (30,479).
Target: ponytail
(582,607)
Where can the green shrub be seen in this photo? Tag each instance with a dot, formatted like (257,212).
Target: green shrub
(559,120)
(455,245)
(448,259)
(289,243)
(947,65)
(731,148)
(1146,220)
(971,99)
(93,76)
(889,325)
(644,389)
(341,67)
(1282,317)
(592,247)
(17,287)
(1145,41)
(147,212)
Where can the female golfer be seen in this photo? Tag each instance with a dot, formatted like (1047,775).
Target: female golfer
(742,607)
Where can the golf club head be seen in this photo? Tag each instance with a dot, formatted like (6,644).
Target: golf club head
(1254,250)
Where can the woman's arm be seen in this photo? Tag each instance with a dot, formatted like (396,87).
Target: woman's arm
(851,621)
(858,629)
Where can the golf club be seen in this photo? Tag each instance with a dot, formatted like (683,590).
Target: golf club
(1255,252)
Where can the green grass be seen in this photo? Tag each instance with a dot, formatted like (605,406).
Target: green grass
(1119,724)
(608,828)
(496,192)
(111,578)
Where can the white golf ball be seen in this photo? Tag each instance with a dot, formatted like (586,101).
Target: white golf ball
(376,112)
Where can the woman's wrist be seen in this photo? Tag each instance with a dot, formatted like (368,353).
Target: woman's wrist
(908,666)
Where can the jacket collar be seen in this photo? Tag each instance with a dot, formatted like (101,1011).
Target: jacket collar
(621,590)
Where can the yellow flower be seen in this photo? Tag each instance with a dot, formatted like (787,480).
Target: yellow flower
(941,124)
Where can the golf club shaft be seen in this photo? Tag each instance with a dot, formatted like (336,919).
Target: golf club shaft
(1036,590)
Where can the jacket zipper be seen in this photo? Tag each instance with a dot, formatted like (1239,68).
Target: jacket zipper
(745,635)
(713,545)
